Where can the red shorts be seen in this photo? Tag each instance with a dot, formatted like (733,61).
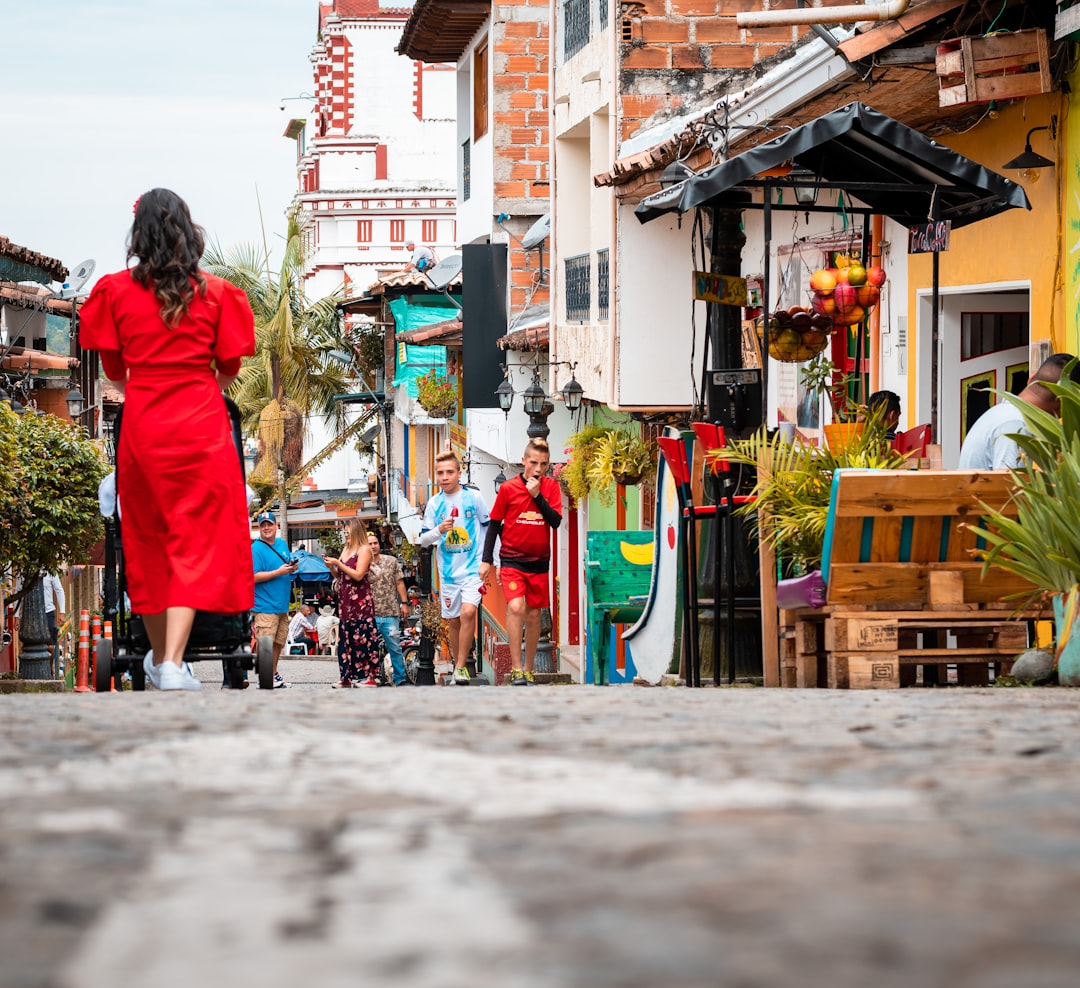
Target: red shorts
(532,586)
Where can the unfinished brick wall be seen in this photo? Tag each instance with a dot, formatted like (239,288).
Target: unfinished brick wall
(673,50)
(520,65)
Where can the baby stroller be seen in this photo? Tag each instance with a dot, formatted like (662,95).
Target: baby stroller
(213,636)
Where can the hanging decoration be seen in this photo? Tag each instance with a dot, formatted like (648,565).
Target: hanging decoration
(846,293)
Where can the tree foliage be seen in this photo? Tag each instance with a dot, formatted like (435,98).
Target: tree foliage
(48,493)
(292,374)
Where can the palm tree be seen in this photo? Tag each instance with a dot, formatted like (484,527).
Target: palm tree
(292,375)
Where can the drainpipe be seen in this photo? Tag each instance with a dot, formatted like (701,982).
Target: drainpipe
(823,15)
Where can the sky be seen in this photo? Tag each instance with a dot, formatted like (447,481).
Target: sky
(101,100)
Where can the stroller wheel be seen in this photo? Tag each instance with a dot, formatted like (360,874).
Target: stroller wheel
(264,662)
(138,674)
(412,663)
(103,665)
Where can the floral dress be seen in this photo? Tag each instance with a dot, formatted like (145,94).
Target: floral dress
(358,635)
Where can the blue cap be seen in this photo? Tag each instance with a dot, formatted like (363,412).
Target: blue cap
(267,516)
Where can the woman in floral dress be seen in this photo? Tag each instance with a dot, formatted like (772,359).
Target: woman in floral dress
(358,635)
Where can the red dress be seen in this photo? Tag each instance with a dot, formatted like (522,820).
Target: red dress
(184,519)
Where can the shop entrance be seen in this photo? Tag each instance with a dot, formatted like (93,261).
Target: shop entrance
(985,334)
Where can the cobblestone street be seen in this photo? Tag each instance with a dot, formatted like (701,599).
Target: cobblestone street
(556,836)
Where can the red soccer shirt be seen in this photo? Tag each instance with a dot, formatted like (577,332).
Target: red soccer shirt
(525,533)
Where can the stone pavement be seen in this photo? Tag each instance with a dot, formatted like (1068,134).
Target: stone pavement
(555,836)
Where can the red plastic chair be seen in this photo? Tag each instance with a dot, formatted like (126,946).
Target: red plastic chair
(914,442)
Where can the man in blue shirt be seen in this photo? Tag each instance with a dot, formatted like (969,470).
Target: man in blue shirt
(274,571)
(454,521)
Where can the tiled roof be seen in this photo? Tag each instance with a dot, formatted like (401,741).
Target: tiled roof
(24,255)
(405,279)
(533,338)
(33,297)
(447,331)
(19,358)
(360,8)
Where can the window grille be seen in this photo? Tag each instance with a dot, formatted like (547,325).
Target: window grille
(578,301)
(576,18)
(602,284)
(466,178)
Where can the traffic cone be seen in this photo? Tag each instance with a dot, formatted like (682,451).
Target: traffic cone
(82,669)
(106,632)
(95,634)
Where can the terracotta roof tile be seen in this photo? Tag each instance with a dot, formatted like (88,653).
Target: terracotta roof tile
(24,255)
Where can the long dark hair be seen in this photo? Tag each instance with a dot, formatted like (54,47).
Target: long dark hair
(169,247)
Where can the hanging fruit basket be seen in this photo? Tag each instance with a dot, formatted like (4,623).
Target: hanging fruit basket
(846,294)
(795,334)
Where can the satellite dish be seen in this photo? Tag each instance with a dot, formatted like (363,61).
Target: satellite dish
(371,433)
(445,271)
(81,275)
(538,233)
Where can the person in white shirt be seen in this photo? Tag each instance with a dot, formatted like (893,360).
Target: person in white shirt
(422,258)
(988,444)
(55,607)
(303,621)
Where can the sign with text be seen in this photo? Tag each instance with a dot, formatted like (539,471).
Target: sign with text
(721,288)
(930,238)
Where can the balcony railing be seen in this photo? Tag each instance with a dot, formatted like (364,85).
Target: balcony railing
(466,172)
(602,285)
(577,279)
(575,27)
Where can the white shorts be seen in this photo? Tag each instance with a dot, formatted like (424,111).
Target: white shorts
(453,595)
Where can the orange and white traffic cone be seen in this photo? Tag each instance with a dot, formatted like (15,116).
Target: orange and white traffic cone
(95,634)
(106,632)
(82,667)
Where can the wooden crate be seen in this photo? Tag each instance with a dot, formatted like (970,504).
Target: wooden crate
(997,67)
(802,649)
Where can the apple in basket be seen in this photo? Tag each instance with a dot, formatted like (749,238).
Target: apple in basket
(875,276)
(824,305)
(845,297)
(822,280)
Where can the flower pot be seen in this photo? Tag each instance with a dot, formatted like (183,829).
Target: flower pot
(626,479)
(839,435)
(1067,633)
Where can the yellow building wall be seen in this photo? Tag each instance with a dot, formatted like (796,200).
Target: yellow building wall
(1019,244)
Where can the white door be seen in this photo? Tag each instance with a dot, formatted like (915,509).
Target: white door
(984,346)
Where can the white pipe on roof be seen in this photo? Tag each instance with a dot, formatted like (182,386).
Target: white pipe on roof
(888,11)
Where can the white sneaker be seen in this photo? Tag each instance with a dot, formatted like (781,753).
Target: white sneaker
(172,677)
(153,672)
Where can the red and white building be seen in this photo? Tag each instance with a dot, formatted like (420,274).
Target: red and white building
(375,156)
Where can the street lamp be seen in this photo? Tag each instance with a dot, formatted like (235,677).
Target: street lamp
(533,397)
(500,479)
(76,403)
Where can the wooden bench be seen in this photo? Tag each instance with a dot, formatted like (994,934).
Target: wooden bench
(899,565)
(616,589)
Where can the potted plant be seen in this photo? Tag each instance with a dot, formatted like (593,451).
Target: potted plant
(1042,542)
(823,378)
(436,394)
(370,355)
(620,456)
(574,476)
(794,482)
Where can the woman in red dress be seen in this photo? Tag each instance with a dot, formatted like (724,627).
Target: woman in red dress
(171,337)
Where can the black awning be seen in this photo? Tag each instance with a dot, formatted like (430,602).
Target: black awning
(861,147)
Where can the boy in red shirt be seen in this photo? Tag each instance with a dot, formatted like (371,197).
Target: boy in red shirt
(525,508)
